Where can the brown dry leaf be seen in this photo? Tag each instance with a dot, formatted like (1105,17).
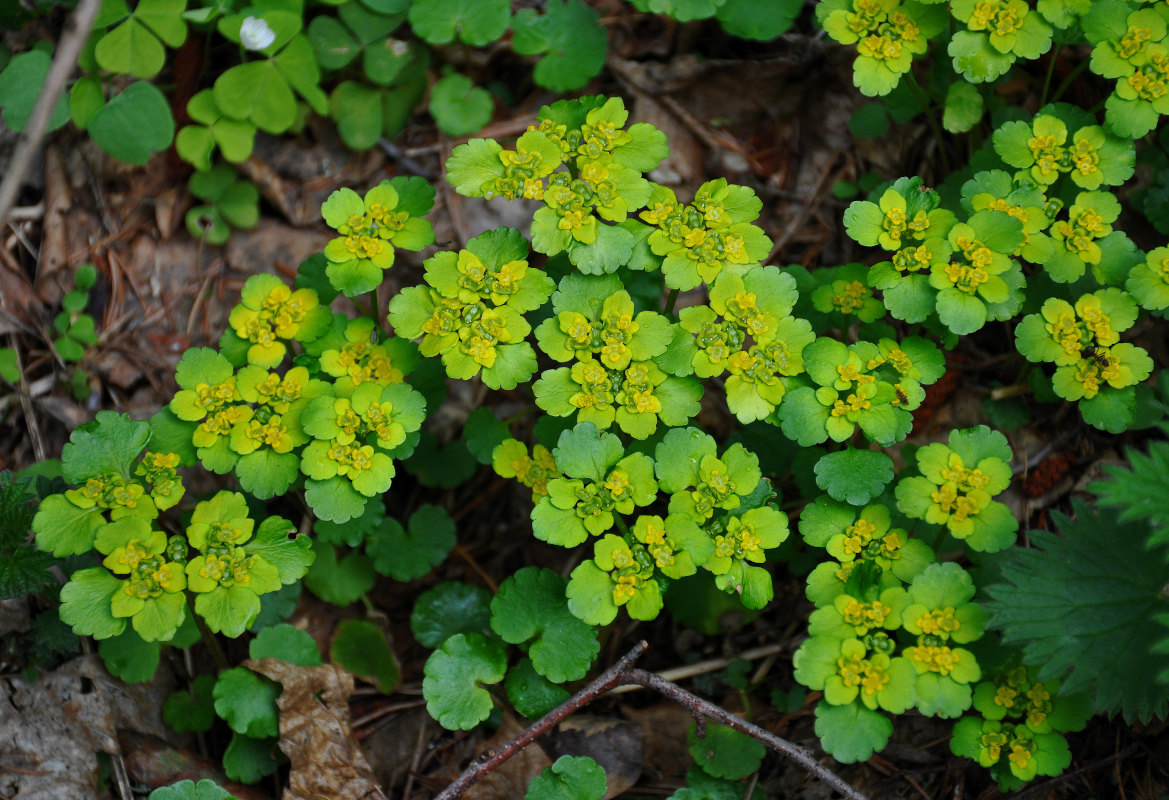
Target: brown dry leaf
(316,735)
(52,730)
(615,744)
(667,752)
(54,252)
(510,780)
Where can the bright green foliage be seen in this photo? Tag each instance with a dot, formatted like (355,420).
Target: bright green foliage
(510,459)
(569,778)
(455,676)
(1140,491)
(1019,735)
(699,240)
(195,143)
(1148,281)
(531,693)
(599,482)
(247,759)
(247,702)
(851,387)
(568,36)
(1049,600)
(854,476)
(133,44)
(189,790)
(844,294)
(1092,365)
(956,487)
(471,311)
(287,643)
(887,34)
(476,22)
(997,33)
(355,353)
(20,86)
(853,732)
(725,752)
(371,227)
(23,569)
(530,607)
(270,314)
(1129,45)
(1021,198)
(128,657)
(747,330)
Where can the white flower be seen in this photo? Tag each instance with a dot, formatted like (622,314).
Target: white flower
(255,34)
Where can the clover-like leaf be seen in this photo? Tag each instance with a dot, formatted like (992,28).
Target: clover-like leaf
(406,554)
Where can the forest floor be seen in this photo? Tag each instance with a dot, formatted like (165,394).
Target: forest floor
(772,116)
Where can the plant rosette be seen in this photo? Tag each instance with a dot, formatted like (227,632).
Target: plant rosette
(981,282)
(888,35)
(956,487)
(1021,198)
(268,315)
(511,459)
(355,352)
(600,482)
(371,227)
(698,480)
(998,32)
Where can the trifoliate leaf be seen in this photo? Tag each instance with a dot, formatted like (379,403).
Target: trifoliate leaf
(450,608)
(1051,602)
(455,676)
(247,702)
(130,658)
(531,605)
(339,582)
(476,22)
(458,106)
(531,693)
(134,125)
(287,643)
(189,790)
(851,733)
(569,778)
(725,752)
(361,648)
(193,710)
(406,554)
(854,476)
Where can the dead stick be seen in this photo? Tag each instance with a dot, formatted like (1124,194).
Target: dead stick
(68,49)
(621,673)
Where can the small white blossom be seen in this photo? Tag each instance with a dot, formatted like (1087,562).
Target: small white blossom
(255,34)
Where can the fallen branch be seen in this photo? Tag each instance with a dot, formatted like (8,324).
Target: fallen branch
(623,673)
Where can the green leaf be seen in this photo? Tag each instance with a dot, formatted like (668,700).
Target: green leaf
(531,606)
(256,91)
(1084,607)
(194,710)
(869,121)
(854,476)
(134,125)
(725,752)
(408,554)
(585,452)
(63,529)
(450,608)
(440,466)
(361,648)
(1140,491)
(20,86)
(130,49)
(205,789)
(333,44)
(85,603)
(458,106)
(85,98)
(357,109)
(106,446)
(339,582)
(963,108)
(287,643)
(130,658)
(248,760)
(455,676)
(570,36)
(483,433)
(291,556)
(247,702)
(476,22)
(762,20)
(569,778)
(851,733)
(531,693)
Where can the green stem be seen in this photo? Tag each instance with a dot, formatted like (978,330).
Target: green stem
(1066,82)
(926,104)
(212,643)
(671,299)
(374,308)
(1050,73)
(621,526)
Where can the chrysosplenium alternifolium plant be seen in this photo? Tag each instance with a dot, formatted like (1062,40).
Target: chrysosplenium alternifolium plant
(300,399)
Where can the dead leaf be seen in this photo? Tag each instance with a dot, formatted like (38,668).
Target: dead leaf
(54,252)
(511,778)
(666,750)
(154,763)
(615,744)
(316,735)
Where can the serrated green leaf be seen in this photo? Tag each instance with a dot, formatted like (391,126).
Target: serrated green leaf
(247,702)
(851,733)
(531,693)
(458,106)
(287,643)
(476,22)
(129,658)
(569,778)
(205,789)
(107,446)
(854,476)
(725,752)
(1083,605)
(1140,491)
